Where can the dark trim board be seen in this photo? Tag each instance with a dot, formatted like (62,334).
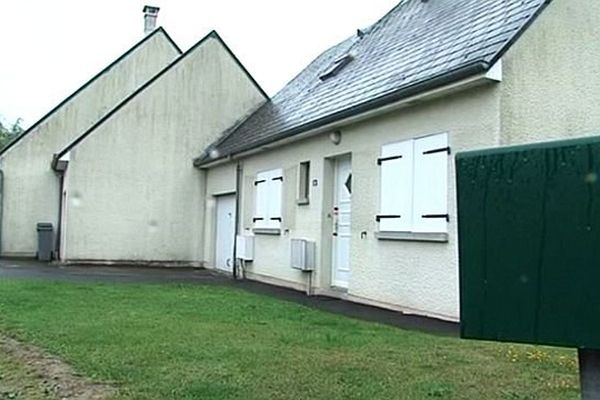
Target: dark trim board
(239,63)
(520,33)
(212,34)
(87,84)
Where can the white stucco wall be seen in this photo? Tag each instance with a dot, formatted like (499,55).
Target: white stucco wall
(551,87)
(412,276)
(550,90)
(31,188)
(133,192)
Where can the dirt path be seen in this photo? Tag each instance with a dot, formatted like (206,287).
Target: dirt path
(34,374)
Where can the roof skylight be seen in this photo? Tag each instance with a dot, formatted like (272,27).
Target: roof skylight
(337,66)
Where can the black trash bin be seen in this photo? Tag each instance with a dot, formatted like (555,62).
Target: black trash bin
(45,233)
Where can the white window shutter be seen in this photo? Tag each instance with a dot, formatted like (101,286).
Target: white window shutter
(275,197)
(430,209)
(396,165)
(261,212)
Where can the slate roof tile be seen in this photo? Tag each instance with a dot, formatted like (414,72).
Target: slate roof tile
(415,42)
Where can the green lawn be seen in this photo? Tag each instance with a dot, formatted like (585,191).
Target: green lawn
(208,342)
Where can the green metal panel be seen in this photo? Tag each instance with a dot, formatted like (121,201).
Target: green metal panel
(529,243)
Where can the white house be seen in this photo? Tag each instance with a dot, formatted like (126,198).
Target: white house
(30,190)
(355,155)
(130,191)
(347,173)
(111,166)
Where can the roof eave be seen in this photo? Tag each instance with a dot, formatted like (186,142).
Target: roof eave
(374,104)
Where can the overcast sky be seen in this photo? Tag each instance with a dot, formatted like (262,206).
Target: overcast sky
(51,47)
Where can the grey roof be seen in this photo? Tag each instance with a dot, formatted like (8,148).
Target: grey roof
(417,45)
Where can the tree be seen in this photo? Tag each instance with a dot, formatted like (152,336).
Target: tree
(8,133)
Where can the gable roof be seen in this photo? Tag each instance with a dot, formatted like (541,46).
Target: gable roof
(212,34)
(87,84)
(417,46)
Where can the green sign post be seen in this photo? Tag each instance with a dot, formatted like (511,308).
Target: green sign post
(529,248)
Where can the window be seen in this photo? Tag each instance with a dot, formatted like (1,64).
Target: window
(414,185)
(303,197)
(336,67)
(268,187)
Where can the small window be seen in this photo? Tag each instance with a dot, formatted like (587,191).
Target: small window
(303,197)
(336,67)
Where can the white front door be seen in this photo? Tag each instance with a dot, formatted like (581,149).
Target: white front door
(225,233)
(342,212)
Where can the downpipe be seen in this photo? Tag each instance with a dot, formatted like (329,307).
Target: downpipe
(237,264)
(58,242)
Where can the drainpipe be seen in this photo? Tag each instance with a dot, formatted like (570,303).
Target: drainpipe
(61,176)
(238,190)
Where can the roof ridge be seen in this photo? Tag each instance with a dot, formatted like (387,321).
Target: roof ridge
(380,23)
(240,64)
(127,99)
(70,97)
(147,84)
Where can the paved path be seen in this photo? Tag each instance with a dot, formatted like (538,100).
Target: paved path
(24,269)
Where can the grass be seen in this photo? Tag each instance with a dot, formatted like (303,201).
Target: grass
(208,342)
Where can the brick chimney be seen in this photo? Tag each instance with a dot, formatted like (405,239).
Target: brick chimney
(150,16)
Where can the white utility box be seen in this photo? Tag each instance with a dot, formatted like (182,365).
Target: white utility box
(245,247)
(303,255)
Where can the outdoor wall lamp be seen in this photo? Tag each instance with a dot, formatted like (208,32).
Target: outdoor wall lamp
(335,137)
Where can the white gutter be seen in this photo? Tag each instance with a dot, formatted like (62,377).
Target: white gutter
(493,75)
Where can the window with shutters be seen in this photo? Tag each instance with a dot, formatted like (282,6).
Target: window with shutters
(414,185)
(268,187)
